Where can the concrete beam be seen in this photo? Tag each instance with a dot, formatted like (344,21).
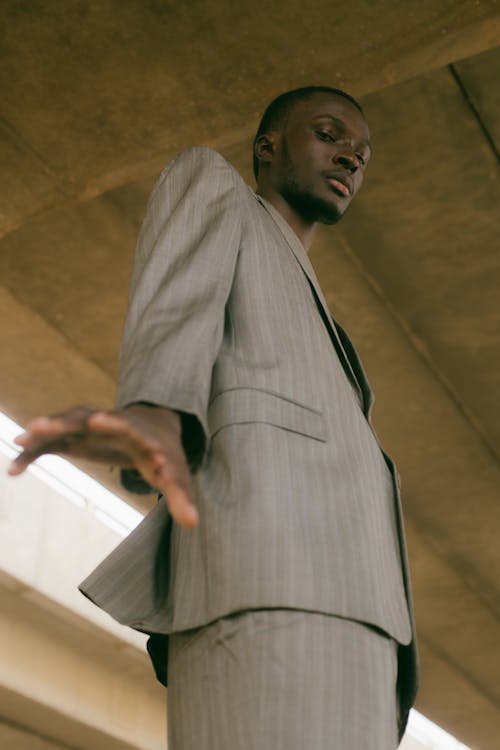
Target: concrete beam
(69,673)
(45,373)
(450,495)
(69,120)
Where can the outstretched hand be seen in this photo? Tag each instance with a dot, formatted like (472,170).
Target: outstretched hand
(142,437)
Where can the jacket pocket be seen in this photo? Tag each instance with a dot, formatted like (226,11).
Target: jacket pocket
(254,405)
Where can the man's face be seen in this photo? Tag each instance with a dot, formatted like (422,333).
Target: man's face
(321,157)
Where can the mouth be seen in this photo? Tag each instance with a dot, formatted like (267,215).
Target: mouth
(339,185)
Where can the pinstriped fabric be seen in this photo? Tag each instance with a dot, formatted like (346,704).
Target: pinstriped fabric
(299,505)
(188,245)
(282,680)
(332,546)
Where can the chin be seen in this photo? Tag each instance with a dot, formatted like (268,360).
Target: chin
(314,208)
(327,212)
(331,216)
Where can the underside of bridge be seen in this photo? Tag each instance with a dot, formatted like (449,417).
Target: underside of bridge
(98,96)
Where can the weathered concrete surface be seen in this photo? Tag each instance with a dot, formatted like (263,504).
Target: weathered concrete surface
(96,98)
(69,674)
(450,489)
(93,92)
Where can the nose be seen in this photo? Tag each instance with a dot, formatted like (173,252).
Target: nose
(347,159)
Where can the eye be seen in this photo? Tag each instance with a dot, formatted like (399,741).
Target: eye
(325,135)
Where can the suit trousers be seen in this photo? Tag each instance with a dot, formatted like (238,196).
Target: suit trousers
(282,679)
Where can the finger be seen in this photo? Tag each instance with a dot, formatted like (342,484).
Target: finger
(45,429)
(107,424)
(21,439)
(31,453)
(103,420)
(21,462)
(40,424)
(50,435)
(71,434)
(125,436)
(74,445)
(180,506)
(77,416)
(59,442)
(176,488)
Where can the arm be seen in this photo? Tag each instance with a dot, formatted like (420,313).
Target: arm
(182,277)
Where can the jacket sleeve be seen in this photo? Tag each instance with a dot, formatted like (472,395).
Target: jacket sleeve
(181,278)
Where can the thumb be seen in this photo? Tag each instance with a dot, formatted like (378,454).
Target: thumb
(180,504)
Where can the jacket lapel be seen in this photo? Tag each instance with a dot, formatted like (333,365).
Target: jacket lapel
(357,379)
(368,397)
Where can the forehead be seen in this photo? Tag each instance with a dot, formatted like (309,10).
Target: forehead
(333,105)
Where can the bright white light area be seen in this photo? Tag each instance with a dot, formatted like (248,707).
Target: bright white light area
(82,490)
(430,736)
(73,484)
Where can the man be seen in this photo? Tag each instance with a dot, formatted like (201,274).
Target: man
(283,583)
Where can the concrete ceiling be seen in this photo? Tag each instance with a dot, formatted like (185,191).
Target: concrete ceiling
(96,99)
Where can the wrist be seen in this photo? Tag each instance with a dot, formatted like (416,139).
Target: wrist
(145,407)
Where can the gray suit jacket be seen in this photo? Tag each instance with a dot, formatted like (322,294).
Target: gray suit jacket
(299,504)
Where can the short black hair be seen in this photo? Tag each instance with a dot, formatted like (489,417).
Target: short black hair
(277,111)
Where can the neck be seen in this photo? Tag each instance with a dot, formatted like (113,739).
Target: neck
(303,228)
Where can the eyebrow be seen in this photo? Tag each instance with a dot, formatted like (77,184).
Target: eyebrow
(341,124)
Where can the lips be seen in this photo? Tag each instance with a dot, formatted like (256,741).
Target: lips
(339,183)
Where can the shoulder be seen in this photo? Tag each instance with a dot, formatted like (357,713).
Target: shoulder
(201,155)
(200,162)
(199,180)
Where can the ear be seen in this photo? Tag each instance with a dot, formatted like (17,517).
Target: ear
(265,147)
